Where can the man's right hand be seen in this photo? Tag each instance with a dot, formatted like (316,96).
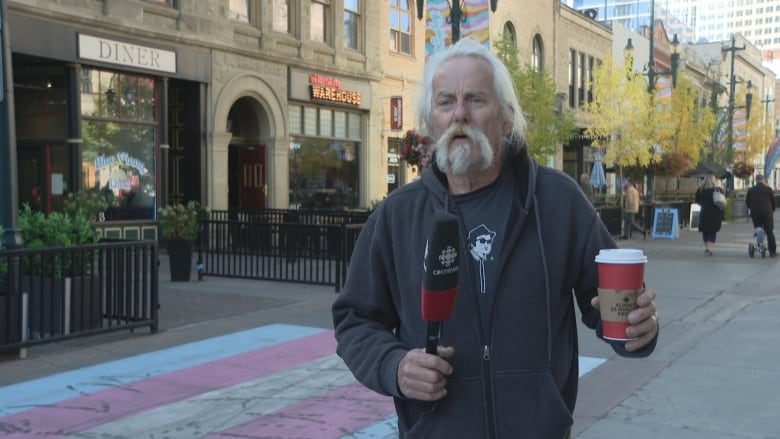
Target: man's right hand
(424,376)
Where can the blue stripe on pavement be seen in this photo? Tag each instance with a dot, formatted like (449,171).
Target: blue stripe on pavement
(49,390)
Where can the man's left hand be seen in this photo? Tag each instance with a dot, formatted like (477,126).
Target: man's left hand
(643,320)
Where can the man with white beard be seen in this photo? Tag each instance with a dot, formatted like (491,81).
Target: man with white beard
(507,363)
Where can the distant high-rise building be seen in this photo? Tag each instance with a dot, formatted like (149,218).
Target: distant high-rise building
(635,14)
(699,20)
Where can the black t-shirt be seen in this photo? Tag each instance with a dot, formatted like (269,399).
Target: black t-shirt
(485,215)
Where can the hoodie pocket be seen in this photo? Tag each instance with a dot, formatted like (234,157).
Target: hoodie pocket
(529,404)
(459,414)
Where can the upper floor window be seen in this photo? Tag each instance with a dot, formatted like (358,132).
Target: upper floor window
(401,27)
(239,10)
(509,34)
(282,18)
(352,24)
(163,2)
(320,13)
(537,58)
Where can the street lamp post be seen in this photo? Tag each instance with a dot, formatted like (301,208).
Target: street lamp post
(651,74)
(732,90)
(11,237)
(766,101)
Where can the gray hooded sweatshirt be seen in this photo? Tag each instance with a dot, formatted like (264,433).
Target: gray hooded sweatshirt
(520,380)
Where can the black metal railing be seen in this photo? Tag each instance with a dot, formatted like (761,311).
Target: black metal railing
(314,253)
(298,216)
(53,294)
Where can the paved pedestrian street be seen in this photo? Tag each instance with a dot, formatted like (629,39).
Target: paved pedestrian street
(280,381)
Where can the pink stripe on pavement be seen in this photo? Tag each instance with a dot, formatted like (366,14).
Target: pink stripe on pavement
(329,415)
(74,415)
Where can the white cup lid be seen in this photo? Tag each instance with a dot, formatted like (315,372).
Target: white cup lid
(621,256)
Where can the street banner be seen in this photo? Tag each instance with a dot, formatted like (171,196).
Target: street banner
(740,129)
(438,26)
(396,113)
(663,92)
(771,157)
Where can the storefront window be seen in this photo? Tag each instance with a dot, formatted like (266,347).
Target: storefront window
(323,173)
(324,170)
(119,155)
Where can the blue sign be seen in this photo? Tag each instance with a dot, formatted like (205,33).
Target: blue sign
(666,224)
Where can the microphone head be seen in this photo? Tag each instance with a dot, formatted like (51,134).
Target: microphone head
(442,262)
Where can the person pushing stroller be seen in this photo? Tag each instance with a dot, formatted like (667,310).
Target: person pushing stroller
(760,202)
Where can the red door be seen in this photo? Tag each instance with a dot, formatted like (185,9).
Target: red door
(253,186)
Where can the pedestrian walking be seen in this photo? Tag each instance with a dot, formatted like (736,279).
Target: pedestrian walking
(507,363)
(711,216)
(630,209)
(760,201)
(586,186)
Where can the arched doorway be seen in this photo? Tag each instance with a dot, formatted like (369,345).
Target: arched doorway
(247,158)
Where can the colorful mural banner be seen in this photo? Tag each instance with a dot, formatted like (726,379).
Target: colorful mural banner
(663,98)
(739,128)
(438,28)
(771,157)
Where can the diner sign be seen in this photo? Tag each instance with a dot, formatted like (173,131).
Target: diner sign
(126,54)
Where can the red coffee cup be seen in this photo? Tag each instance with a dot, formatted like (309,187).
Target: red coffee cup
(621,280)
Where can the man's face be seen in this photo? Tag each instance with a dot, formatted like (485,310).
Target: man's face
(466,117)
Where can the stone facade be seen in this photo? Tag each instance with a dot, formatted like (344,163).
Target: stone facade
(246,66)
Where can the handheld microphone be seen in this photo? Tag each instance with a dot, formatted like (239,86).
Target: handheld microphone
(440,276)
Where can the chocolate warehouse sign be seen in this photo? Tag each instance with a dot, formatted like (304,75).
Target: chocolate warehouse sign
(318,87)
(126,54)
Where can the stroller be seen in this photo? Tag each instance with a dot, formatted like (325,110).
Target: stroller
(759,245)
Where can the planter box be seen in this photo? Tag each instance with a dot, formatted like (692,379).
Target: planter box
(10,326)
(59,306)
(180,259)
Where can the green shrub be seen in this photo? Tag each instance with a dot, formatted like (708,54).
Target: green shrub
(56,230)
(90,202)
(180,221)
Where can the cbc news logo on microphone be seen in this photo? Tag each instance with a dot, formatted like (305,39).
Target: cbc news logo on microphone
(447,257)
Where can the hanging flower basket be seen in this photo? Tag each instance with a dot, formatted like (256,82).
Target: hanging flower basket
(743,169)
(416,150)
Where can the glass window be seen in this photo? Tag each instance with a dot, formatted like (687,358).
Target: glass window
(295,119)
(239,10)
(119,154)
(340,124)
(352,24)
(282,16)
(326,123)
(324,173)
(320,10)
(401,27)
(40,99)
(355,126)
(309,121)
(509,34)
(162,2)
(538,54)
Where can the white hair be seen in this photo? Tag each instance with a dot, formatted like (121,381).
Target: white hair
(510,107)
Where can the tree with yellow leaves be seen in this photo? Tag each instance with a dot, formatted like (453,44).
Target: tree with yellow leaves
(620,115)
(691,126)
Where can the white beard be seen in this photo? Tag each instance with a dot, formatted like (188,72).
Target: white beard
(458,160)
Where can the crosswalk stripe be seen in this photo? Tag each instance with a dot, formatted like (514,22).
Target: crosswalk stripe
(281,380)
(65,385)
